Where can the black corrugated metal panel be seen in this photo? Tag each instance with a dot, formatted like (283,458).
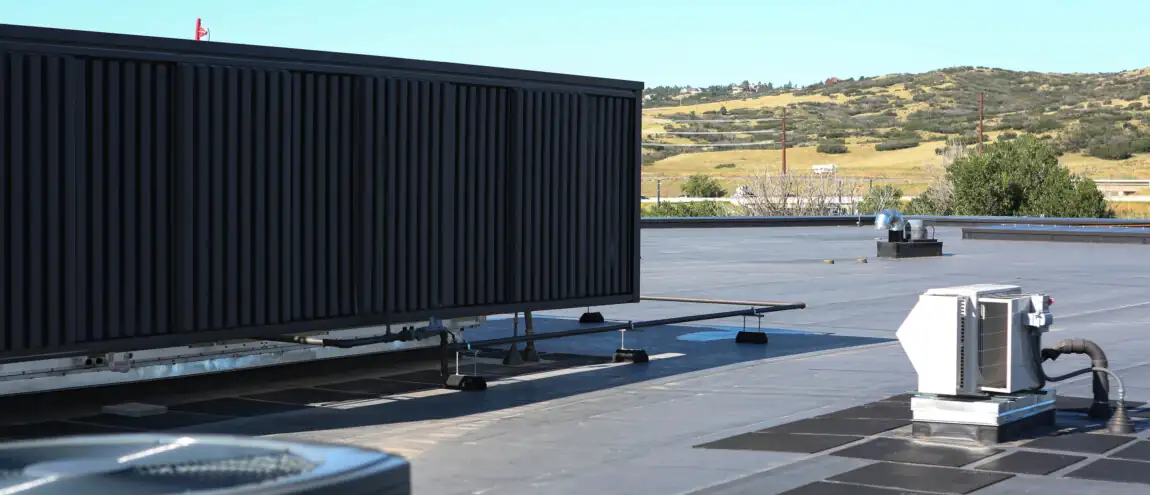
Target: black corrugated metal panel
(161,192)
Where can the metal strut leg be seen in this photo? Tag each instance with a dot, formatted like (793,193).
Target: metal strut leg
(529,353)
(513,358)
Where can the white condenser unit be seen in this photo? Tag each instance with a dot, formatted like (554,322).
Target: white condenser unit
(976,339)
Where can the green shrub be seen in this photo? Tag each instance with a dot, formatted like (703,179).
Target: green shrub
(1118,150)
(1135,106)
(968,140)
(1044,124)
(703,186)
(725,165)
(1140,145)
(1020,177)
(1007,136)
(832,147)
(895,145)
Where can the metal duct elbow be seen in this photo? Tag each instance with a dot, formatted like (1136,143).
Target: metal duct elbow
(888,219)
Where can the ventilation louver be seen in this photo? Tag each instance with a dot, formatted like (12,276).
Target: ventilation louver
(148,464)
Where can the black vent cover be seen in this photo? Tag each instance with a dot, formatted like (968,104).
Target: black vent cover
(148,464)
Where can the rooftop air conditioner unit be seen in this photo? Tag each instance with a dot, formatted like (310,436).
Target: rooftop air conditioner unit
(976,340)
(147,464)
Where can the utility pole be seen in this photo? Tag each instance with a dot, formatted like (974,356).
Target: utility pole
(784,140)
(980,94)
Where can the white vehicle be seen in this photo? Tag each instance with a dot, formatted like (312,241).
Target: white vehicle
(824,169)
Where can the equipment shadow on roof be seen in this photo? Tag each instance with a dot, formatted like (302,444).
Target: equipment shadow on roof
(517,390)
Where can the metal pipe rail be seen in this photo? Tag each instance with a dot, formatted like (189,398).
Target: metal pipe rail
(719,301)
(625,326)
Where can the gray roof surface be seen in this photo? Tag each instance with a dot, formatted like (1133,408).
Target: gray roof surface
(630,429)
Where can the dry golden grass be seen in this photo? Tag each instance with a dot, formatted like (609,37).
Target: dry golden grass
(650,127)
(759,102)
(670,188)
(861,161)
(911,108)
(864,161)
(899,91)
(1136,167)
(1132,210)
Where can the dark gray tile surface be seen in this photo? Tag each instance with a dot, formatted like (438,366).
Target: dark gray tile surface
(1087,443)
(838,426)
(1038,463)
(57,429)
(1138,451)
(922,478)
(827,488)
(166,421)
(374,386)
(230,406)
(305,396)
(431,377)
(1114,470)
(899,450)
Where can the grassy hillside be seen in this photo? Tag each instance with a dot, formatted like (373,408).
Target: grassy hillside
(1099,121)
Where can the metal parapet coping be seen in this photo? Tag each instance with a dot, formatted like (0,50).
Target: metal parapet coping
(868,220)
(1056,233)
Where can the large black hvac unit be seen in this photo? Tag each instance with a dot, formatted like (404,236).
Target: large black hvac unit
(158,192)
(147,464)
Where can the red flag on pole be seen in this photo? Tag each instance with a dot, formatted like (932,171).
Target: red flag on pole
(201,31)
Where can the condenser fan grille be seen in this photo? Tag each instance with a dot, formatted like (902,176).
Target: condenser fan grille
(217,474)
(164,464)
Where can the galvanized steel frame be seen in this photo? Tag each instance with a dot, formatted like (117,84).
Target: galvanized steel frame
(131,222)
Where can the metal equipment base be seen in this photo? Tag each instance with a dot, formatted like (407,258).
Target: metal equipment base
(631,355)
(988,421)
(466,383)
(590,317)
(513,357)
(530,355)
(912,249)
(747,337)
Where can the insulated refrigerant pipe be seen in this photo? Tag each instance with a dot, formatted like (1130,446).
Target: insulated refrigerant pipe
(1101,382)
(630,325)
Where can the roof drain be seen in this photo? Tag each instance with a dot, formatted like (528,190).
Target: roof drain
(1119,421)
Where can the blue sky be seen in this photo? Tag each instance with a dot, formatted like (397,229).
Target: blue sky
(658,42)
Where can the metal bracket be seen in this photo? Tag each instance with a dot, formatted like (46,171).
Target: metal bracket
(758,320)
(120,362)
